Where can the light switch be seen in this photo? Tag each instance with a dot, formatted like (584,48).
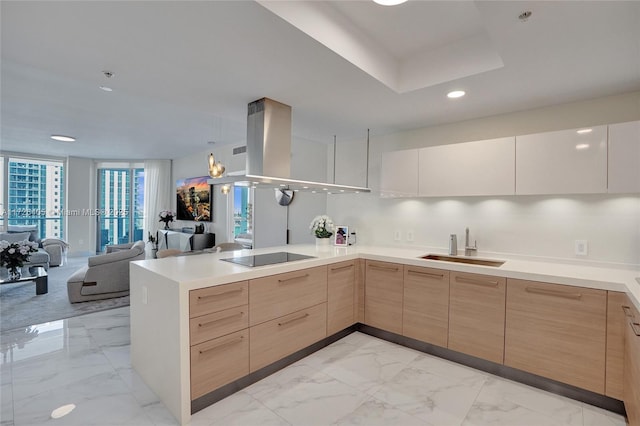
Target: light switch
(144,295)
(409,235)
(581,247)
(397,235)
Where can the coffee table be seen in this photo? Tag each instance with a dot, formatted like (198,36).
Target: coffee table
(30,273)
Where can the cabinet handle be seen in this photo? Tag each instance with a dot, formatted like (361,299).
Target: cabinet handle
(340,268)
(293,319)
(220,294)
(633,327)
(556,293)
(222,344)
(485,283)
(428,274)
(384,268)
(627,311)
(293,278)
(202,324)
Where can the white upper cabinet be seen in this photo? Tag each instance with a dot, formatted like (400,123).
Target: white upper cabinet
(563,162)
(399,173)
(473,168)
(624,157)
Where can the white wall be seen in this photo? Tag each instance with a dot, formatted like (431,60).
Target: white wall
(531,225)
(81,196)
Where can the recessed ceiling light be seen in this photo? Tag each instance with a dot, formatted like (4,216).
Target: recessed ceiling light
(106,89)
(582,146)
(456,94)
(583,131)
(62,138)
(389,2)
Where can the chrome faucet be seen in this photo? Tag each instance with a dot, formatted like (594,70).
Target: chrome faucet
(469,250)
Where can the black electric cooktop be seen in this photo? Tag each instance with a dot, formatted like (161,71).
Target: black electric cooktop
(267,259)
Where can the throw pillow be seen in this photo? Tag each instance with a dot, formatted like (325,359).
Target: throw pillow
(14,237)
(32,229)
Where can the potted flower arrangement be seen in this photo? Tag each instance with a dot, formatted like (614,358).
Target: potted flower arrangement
(322,227)
(166,216)
(14,255)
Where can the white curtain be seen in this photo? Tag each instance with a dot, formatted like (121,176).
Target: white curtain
(159,193)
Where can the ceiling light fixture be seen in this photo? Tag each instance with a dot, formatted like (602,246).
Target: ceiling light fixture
(389,2)
(106,89)
(216,170)
(456,94)
(62,138)
(584,131)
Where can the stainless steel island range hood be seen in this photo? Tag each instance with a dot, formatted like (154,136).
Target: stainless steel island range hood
(269,153)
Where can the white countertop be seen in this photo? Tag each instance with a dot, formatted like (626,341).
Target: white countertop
(203,270)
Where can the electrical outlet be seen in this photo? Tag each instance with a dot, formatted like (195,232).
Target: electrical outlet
(581,247)
(409,235)
(397,235)
(80,241)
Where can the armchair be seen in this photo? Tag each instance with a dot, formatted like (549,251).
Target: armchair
(106,275)
(57,250)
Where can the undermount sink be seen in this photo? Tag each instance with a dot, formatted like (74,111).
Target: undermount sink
(472,261)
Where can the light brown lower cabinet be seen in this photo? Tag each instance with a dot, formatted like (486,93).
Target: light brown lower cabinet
(275,339)
(616,324)
(383,295)
(476,315)
(425,314)
(558,332)
(631,391)
(217,362)
(341,281)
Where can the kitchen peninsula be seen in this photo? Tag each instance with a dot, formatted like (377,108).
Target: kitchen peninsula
(174,301)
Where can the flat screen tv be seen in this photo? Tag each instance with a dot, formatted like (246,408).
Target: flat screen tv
(194,199)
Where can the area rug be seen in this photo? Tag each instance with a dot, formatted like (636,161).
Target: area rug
(21,307)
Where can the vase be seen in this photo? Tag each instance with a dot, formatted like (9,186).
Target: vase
(15,272)
(323,243)
(166,225)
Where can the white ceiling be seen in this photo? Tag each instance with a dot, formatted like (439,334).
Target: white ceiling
(184,72)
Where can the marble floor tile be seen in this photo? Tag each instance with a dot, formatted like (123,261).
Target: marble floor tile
(377,413)
(362,370)
(309,398)
(506,397)
(237,409)
(432,398)
(594,416)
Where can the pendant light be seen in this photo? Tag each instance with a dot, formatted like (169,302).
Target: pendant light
(216,170)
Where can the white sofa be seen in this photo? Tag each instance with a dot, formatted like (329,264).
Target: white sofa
(17,233)
(106,275)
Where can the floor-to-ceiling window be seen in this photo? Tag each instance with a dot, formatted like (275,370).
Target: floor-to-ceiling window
(33,193)
(121,205)
(243,214)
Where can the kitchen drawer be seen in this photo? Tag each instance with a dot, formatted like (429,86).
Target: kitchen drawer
(341,296)
(476,315)
(275,339)
(277,295)
(210,326)
(557,331)
(217,362)
(426,305)
(383,295)
(217,298)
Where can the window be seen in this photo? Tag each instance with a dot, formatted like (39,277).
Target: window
(121,205)
(27,194)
